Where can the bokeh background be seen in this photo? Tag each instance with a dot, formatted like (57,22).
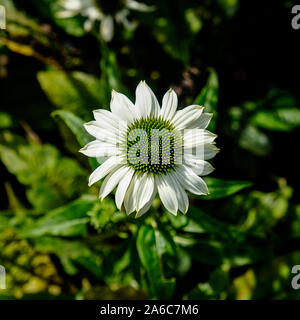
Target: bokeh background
(240,59)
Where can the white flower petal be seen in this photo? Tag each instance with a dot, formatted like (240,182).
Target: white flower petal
(91,11)
(97,149)
(169,105)
(147,206)
(107,28)
(122,107)
(88,25)
(197,138)
(183,200)
(108,120)
(130,196)
(167,193)
(145,190)
(190,181)
(111,181)
(142,7)
(210,150)
(66,14)
(123,187)
(202,122)
(146,102)
(101,159)
(199,166)
(183,118)
(99,133)
(71,5)
(106,167)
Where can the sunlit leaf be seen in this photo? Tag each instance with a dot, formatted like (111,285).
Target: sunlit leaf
(51,178)
(77,92)
(75,124)
(255,141)
(277,120)
(219,188)
(68,221)
(208,97)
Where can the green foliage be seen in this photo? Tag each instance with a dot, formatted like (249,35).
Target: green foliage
(51,178)
(66,221)
(208,97)
(50,9)
(111,76)
(105,216)
(278,120)
(5,120)
(72,255)
(152,245)
(255,141)
(75,124)
(77,92)
(223,188)
(199,222)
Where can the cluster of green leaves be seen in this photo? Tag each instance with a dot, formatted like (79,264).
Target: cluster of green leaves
(277,112)
(60,241)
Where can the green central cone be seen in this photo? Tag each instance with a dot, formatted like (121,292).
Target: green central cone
(144,165)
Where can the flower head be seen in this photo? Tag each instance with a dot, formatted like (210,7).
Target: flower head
(92,10)
(150,149)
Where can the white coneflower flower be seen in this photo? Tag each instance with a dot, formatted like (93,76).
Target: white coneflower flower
(91,9)
(149,149)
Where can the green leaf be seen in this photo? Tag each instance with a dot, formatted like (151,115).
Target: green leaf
(77,92)
(111,70)
(167,33)
(197,221)
(286,119)
(219,188)
(43,196)
(151,246)
(75,124)
(255,141)
(208,97)
(4,222)
(72,254)
(67,221)
(51,179)
(111,74)
(15,164)
(5,120)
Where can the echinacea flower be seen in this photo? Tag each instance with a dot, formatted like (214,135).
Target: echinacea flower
(92,11)
(149,149)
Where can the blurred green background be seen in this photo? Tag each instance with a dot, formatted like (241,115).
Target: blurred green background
(237,58)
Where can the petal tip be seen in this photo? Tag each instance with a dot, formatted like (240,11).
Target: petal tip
(82,150)
(87,124)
